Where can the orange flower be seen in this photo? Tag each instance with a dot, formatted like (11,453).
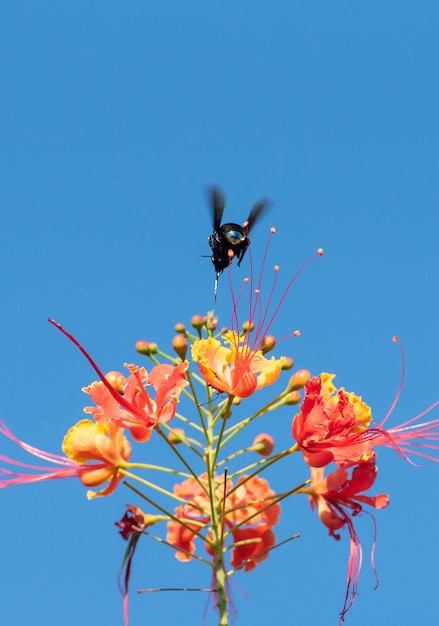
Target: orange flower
(86,441)
(250,515)
(258,542)
(238,369)
(330,425)
(135,409)
(251,519)
(338,500)
(196,510)
(89,441)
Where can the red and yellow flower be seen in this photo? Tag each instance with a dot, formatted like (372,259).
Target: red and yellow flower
(335,425)
(94,453)
(331,425)
(339,499)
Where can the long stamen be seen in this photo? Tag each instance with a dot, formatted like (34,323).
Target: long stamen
(117,396)
(260,333)
(319,252)
(257,301)
(256,311)
(45,456)
(401,382)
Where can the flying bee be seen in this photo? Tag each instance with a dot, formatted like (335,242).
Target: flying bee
(230,236)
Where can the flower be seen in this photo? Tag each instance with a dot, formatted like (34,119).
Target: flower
(335,425)
(330,425)
(253,546)
(134,522)
(139,413)
(195,513)
(135,409)
(251,518)
(338,500)
(86,441)
(263,444)
(250,514)
(237,369)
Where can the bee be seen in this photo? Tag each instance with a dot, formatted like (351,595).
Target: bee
(229,236)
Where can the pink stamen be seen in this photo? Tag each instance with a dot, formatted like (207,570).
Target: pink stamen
(260,319)
(260,334)
(45,456)
(263,327)
(435,422)
(252,307)
(290,284)
(401,382)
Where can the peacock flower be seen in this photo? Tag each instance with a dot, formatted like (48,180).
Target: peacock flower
(234,368)
(250,513)
(339,499)
(335,425)
(331,424)
(94,453)
(135,409)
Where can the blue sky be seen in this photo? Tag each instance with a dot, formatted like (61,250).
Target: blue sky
(114,118)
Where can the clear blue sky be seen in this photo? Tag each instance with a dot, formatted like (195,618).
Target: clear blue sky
(114,117)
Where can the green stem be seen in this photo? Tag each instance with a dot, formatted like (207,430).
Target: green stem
(180,456)
(158,468)
(264,463)
(217,518)
(190,527)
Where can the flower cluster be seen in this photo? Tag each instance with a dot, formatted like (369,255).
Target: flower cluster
(335,426)
(221,498)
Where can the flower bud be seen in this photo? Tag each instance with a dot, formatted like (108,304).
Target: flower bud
(293,397)
(179,327)
(142,346)
(176,436)
(197,321)
(180,346)
(146,347)
(212,323)
(116,380)
(263,444)
(248,326)
(268,344)
(287,362)
(298,380)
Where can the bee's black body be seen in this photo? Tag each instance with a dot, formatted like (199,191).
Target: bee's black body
(229,236)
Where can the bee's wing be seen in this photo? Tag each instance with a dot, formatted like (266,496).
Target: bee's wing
(217,203)
(258,209)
